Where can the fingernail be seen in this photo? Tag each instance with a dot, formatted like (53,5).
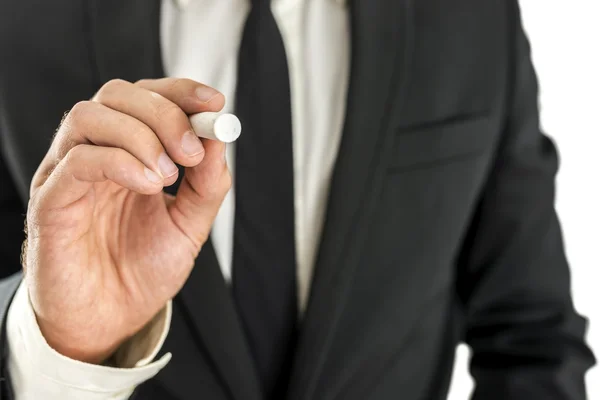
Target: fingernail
(166,166)
(206,93)
(152,176)
(191,145)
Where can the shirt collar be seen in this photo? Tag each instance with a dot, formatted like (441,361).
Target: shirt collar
(184,3)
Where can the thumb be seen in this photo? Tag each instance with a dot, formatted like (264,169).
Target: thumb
(201,193)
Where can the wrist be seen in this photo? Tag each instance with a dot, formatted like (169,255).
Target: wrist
(83,347)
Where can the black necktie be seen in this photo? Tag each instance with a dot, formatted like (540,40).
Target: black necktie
(264,261)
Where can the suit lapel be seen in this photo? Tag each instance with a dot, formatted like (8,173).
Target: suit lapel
(126,36)
(381,45)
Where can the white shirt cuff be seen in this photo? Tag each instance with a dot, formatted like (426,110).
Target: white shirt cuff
(39,372)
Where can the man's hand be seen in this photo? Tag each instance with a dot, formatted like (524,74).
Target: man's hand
(106,247)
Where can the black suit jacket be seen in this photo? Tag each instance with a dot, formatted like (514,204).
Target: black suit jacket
(440,224)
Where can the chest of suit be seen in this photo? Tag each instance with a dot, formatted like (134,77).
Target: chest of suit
(423,120)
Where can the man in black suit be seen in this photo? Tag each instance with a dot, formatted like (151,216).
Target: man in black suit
(439,224)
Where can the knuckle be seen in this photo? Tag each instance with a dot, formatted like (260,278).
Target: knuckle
(140,133)
(77,115)
(72,122)
(182,85)
(77,112)
(63,121)
(116,83)
(142,82)
(165,110)
(71,128)
(177,82)
(74,154)
(112,86)
(115,157)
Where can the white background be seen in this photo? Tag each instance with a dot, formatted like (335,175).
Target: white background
(565,40)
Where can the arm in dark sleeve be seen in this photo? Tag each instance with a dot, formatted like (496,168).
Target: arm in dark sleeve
(527,339)
(12,217)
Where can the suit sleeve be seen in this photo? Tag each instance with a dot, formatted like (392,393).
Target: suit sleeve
(12,217)
(528,341)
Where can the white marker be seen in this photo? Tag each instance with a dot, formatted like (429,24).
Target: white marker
(217,126)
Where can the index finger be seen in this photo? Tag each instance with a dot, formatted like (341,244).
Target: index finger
(191,96)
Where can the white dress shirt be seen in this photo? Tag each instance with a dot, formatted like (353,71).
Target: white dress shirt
(200,41)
